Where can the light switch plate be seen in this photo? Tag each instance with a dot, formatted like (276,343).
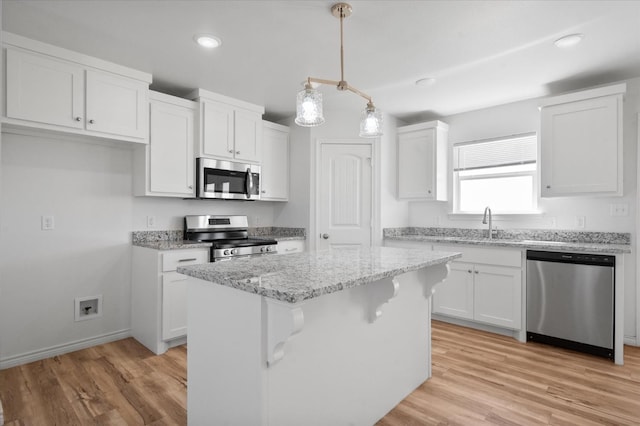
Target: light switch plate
(47,223)
(151,221)
(580,222)
(621,209)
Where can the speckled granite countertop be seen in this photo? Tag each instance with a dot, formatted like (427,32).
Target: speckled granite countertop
(174,239)
(301,276)
(552,240)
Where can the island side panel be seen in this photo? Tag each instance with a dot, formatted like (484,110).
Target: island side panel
(225,356)
(343,369)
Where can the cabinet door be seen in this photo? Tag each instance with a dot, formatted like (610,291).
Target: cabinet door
(247,136)
(117,105)
(174,305)
(171,159)
(275,165)
(498,296)
(454,296)
(44,90)
(217,130)
(581,147)
(416,164)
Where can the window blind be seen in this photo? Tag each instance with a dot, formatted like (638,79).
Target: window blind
(509,151)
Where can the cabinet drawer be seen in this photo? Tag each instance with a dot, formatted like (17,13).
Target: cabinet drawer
(485,255)
(171,260)
(293,246)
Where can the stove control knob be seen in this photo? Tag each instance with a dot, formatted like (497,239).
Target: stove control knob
(234,251)
(262,249)
(227,252)
(268,248)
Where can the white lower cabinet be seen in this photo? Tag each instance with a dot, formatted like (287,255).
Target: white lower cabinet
(290,246)
(159,296)
(485,286)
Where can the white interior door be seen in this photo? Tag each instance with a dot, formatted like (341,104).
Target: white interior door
(345,209)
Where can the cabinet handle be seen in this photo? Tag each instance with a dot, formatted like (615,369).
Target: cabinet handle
(290,249)
(238,152)
(78,119)
(190,186)
(428,191)
(477,272)
(187,260)
(469,271)
(92,121)
(230,151)
(264,191)
(548,186)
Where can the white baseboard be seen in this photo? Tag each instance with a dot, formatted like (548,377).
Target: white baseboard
(52,351)
(631,341)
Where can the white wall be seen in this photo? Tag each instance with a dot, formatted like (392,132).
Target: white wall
(87,187)
(557,213)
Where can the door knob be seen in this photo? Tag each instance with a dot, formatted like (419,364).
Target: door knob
(325,236)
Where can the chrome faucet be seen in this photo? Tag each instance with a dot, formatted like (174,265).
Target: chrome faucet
(484,221)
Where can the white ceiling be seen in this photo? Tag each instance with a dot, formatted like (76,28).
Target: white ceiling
(481,53)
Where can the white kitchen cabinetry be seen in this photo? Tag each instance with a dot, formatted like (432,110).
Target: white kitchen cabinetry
(229,129)
(581,143)
(422,161)
(159,296)
(164,167)
(290,246)
(49,88)
(485,285)
(274,174)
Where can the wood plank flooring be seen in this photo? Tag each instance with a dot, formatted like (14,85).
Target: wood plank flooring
(478,379)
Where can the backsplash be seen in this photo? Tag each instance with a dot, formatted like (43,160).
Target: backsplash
(516,234)
(277,231)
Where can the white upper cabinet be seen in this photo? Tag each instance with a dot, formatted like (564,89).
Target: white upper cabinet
(229,129)
(165,167)
(44,90)
(50,88)
(275,162)
(581,143)
(116,105)
(422,161)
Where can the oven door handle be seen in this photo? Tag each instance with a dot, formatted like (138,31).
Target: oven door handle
(248,183)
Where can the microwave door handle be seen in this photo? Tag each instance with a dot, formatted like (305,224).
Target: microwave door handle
(248,183)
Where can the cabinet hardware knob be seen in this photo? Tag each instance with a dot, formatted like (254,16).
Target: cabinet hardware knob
(190,186)
(428,191)
(230,151)
(325,236)
(238,152)
(548,186)
(78,118)
(477,272)
(469,271)
(263,191)
(92,121)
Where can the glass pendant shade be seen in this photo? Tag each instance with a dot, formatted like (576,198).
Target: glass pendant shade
(309,107)
(371,122)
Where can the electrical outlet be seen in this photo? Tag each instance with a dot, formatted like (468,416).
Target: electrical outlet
(47,223)
(619,209)
(151,221)
(580,222)
(257,221)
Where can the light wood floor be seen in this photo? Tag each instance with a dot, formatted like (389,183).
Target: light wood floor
(478,379)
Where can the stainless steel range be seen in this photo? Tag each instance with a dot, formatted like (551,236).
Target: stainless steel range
(229,236)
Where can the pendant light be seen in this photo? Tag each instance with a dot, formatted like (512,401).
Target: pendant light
(309,100)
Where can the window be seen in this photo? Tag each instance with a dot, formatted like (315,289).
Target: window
(499,173)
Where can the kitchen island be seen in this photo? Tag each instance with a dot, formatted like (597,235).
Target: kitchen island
(333,337)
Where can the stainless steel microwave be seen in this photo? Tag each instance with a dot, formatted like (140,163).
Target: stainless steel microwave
(227,180)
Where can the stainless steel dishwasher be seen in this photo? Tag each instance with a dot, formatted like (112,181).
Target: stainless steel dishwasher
(570,301)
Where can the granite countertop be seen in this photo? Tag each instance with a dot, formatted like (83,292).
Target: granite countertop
(172,245)
(520,244)
(302,276)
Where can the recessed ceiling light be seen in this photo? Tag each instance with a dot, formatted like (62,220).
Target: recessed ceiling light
(425,82)
(207,41)
(568,40)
